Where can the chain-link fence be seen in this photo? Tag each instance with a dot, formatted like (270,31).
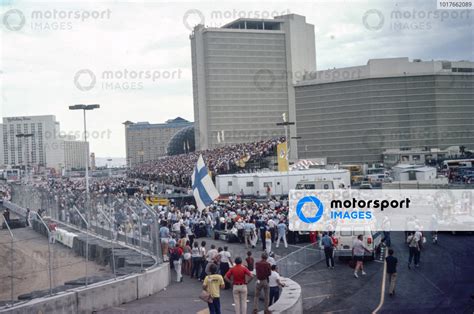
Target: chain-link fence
(126,238)
(299,260)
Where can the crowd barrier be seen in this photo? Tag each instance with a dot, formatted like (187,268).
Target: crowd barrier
(73,296)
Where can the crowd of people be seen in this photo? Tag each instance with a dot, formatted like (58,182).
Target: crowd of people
(177,170)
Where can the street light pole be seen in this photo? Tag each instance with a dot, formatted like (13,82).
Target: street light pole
(84,108)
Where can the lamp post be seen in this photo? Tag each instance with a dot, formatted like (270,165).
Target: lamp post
(84,108)
(24,156)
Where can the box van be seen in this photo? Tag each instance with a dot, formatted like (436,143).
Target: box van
(345,236)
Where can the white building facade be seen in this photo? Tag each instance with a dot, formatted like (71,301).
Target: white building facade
(354,114)
(243,75)
(44,146)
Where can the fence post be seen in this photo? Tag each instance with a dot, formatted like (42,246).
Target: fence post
(11,260)
(87,239)
(49,254)
(159,254)
(112,240)
(139,238)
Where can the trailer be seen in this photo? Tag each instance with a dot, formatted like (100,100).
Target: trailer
(280,182)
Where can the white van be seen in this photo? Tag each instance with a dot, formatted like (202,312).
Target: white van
(345,236)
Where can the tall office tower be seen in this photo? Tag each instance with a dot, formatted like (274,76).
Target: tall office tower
(243,76)
(36,141)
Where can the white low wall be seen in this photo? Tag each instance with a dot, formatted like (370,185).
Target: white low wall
(290,301)
(98,296)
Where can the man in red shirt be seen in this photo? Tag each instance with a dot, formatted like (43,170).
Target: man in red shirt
(263,270)
(238,273)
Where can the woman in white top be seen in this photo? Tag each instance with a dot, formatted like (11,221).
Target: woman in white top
(225,263)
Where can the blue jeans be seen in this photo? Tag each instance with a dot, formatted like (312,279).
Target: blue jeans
(215,306)
(274,294)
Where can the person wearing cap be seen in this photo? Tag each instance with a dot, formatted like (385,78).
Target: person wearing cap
(263,271)
(236,276)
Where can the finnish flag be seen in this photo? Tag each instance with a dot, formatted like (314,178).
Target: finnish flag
(204,190)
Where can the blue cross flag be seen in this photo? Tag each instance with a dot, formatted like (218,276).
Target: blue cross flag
(204,190)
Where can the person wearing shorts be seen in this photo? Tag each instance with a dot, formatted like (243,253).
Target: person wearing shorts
(358,251)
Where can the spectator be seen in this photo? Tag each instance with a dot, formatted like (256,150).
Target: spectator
(413,249)
(282,234)
(213,283)
(328,246)
(358,251)
(263,272)
(236,276)
(176,255)
(274,283)
(250,261)
(391,271)
(196,260)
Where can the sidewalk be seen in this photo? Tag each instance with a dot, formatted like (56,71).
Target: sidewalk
(184,297)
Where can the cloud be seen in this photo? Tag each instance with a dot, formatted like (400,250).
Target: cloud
(38,66)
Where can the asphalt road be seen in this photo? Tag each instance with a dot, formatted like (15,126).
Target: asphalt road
(444,282)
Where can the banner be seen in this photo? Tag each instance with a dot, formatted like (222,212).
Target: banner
(282,152)
(155,201)
(381,210)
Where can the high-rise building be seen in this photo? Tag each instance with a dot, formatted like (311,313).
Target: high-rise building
(243,75)
(354,114)
(146,141)
(37,141)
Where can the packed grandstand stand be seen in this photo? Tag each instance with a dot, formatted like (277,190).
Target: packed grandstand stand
(177,170)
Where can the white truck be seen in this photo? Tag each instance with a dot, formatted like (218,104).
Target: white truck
(345,236)
(281,182)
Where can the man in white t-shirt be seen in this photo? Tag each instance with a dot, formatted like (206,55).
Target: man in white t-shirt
(358,251)
(274,283)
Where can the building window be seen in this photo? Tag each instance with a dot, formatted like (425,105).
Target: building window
(249,184)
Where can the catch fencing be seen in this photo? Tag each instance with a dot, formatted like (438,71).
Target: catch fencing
(299,260)
(120,232)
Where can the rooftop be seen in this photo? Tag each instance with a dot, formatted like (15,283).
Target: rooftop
(171,123)
(388,67)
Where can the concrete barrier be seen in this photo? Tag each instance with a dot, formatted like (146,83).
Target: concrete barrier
(57,304)
(99,296)
(152,281)
(105,295)
(290,301)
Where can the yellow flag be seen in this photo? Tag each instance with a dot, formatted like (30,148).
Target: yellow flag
(282,151)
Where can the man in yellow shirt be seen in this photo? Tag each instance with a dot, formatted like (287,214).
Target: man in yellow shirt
(213,284)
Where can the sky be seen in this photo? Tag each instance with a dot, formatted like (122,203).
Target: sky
(134,58)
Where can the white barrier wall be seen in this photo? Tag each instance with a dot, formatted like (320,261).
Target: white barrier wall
(99,296)
(290,301)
